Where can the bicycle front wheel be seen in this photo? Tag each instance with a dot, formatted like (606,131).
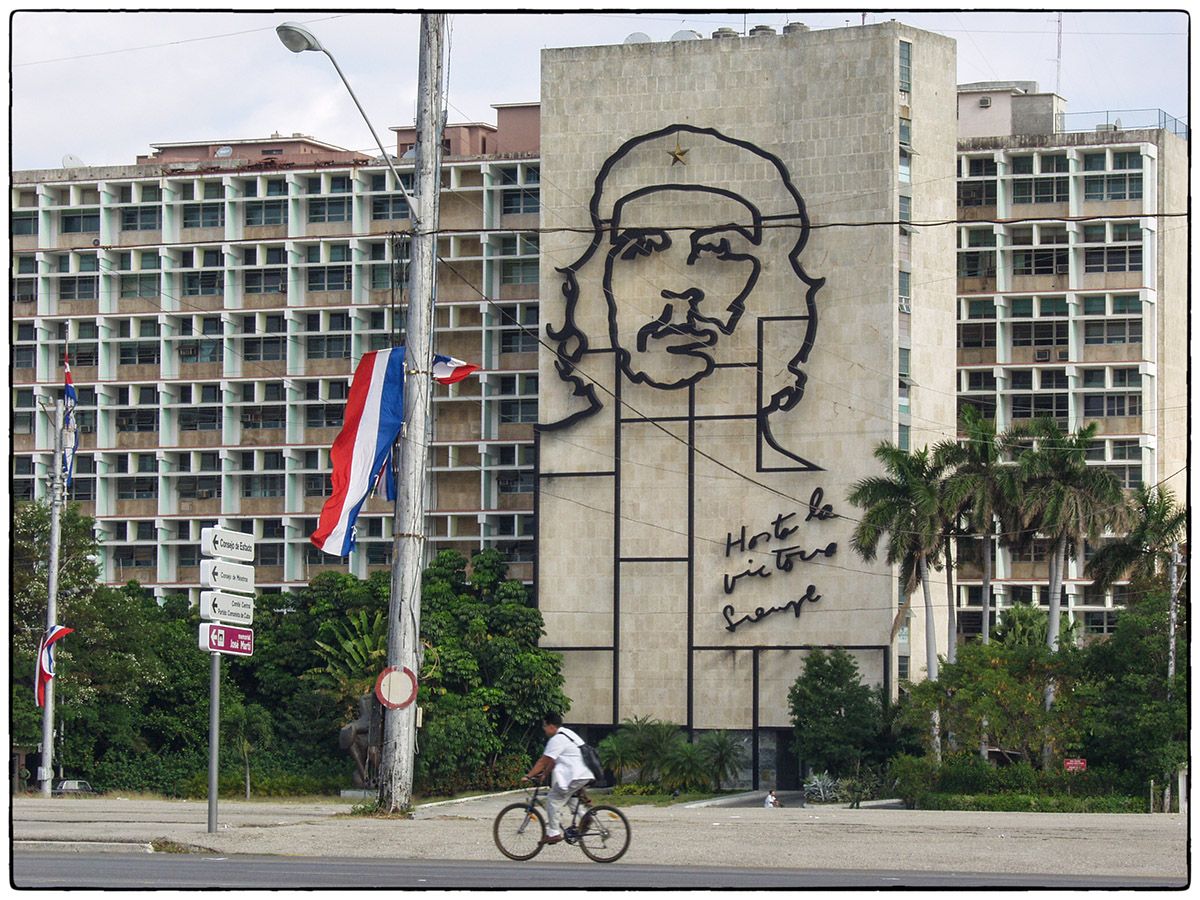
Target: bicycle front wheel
(604,834)
(518,831)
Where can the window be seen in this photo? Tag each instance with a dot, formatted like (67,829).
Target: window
(318,485)
(981,309)
(82,288)
(1040,262)
(518,411)
(905,166)
(333,210)
(139,353)
(904,285)
(1050,307)
(324,416)
(905,208)
(259,349)
(1054,163)
(1022,165)
(335,346)
(1035,406)
(1093,378)
(204,215)
(1053,378)
(392,206)
(981,381)
(977,193)
(141,218)
(1021,379)
(1112,187)
(1093,234)
(1095,162)
(81,222)
(520,201)
(1126,159)
(24,224)
(267,212)
(203,284)
(262,485)
(515,483)
(1126,378)
(975,264)
(1102,622)
(519,271)
(905,132)
(1113,259)
(1039,334)
(137,420)
(200,419)
(981,167)
(1127,450)
(980,335)
(263,417)
(1126,231)
(905,66)
(139,285)
(266,281)
(329,278)
(1040,190)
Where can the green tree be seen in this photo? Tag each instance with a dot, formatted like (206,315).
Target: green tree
(983,488)
(1130,723)
(724,754)
(354,656)
(905,504)
(246,728)
(485,684)
(835,716)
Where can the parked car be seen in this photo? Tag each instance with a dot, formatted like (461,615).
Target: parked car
(72,787)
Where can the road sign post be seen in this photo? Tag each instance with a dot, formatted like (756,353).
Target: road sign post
(223,573)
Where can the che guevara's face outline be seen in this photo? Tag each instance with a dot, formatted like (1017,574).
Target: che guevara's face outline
(674,291)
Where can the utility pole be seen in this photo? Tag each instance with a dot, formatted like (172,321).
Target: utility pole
(57,492)
(408,528)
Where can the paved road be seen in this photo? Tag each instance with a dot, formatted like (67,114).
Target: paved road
(106,870)
(818,841)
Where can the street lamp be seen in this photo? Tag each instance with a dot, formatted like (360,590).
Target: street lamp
(298,39)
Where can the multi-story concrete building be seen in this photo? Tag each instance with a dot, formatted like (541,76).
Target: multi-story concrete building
(214,298)
(1072,279)
(739,311)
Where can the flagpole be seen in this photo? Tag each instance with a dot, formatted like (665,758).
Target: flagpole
(408,529)
(57,488)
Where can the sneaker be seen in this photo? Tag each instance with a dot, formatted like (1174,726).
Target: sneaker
(552,839)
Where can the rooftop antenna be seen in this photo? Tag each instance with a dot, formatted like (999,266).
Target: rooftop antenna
(71,161)
(1058,60)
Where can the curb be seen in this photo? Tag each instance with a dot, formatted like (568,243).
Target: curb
(85,846)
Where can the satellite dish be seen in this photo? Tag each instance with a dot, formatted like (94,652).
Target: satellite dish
(71,161)
(686,35)
(1117,124)
(224,152)
(638,37)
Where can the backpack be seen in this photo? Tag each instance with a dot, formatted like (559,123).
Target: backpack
(591,758)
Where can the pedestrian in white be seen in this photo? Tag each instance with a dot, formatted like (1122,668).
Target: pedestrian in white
(771,800)
(569,773)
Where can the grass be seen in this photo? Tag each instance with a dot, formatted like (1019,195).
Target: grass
(655,799)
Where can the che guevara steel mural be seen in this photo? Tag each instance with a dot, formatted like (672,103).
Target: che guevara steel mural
(692,280)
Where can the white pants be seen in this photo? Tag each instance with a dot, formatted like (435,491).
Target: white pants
(554,801)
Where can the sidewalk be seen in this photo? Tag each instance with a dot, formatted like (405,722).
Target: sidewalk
(805,837)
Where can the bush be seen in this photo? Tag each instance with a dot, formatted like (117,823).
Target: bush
(636,790)
(1011,802)
(965,773)
(853,789)
(911,776)
(822,788)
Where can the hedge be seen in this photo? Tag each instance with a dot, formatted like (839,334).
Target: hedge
(1030,803)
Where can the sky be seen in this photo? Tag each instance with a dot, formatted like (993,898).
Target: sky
(104,86)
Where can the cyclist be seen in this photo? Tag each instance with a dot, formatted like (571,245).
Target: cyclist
(564,762)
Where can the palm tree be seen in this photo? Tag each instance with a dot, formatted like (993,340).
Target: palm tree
(724,754)
(354,658)
(684,766)
(1067,500)
(1152,544)
(247,727)
(983,488)
(905,505)
(617,753)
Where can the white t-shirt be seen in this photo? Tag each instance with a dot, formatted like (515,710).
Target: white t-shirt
(568,761)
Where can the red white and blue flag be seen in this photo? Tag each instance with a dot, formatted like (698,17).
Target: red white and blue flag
(374,414)
(448,370)
(45,665)
(70,427)
(362,451)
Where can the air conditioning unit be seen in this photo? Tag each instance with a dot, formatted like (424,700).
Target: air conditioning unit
(203,495)
(189,350)
(1062,269)
(1041,356)
(905,305)
(87,429)
(985,102)
(1064,355)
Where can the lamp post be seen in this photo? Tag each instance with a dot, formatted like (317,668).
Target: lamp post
(412,452)
(297,38)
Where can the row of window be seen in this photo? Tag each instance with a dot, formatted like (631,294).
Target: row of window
(1022,379)
(1052,334)
(1023,164)
(1055,306)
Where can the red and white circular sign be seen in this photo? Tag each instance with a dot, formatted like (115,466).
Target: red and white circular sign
(396,687)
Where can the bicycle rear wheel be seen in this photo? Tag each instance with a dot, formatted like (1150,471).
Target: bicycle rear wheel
(604,834)
(518,831)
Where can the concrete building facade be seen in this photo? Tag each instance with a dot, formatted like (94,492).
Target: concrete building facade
(1072,279)
(215,297)
(738,311)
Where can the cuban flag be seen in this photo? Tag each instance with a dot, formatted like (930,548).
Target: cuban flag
(70,428)
(448,370)
(374,414)
(45,666)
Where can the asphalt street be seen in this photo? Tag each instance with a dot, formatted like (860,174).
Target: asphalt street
(797,846)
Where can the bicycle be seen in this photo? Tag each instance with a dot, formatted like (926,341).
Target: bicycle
(602,832)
